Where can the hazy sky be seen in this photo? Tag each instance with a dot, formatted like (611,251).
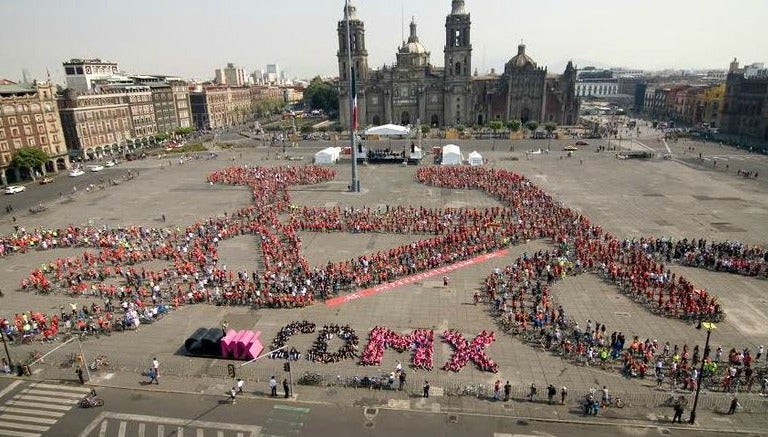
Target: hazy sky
(191,38)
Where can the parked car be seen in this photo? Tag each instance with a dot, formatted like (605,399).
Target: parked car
(109,164)
(582,143)
(14,189)
(96,168)
(45,180)
(75,172)
(570,148)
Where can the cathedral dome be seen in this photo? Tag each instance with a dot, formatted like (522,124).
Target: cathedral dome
(413,46)
(521,60)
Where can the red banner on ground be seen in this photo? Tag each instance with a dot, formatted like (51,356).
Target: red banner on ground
(389,286)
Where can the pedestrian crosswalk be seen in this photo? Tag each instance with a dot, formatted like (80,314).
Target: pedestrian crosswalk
(37,408)
(109,424)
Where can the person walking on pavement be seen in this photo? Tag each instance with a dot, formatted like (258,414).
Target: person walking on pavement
(426,389)
(497,390)
(240,384)
(232,395)
(286,389)
(678,417)
(551,392)
(79,372)
(156,366)
(507,391)
(563,394)
(273,387)
(153,376)
(532,393)
(401,380)
(734,404)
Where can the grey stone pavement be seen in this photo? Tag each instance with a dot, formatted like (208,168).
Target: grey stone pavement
(677,198)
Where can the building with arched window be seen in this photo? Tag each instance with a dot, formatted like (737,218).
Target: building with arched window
(413,89)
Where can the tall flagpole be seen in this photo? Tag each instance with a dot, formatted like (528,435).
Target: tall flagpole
(355,185)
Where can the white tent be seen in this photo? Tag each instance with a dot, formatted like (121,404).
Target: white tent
(328,156)
(416,154)
(475,158)
(451,155)
(388,130)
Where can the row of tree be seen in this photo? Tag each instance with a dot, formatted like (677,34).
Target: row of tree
(516,125)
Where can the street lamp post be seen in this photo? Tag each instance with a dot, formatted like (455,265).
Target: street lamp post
(355,185)
(709,326)
(5,346)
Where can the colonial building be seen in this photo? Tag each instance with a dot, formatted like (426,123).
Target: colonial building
(215,107)
(413,89)
(29,117)
(82,73)
(94,122)
(745,106)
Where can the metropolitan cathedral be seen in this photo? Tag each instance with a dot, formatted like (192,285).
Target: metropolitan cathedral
(413,89)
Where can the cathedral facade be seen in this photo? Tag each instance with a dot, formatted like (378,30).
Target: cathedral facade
(414,90)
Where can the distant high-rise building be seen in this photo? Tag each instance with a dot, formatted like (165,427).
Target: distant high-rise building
(81,73)
(272,75)
(25,76)
(230,75)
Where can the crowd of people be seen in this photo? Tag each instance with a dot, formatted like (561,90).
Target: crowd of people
(110,266)
(464,352)
(519,297)
(725,256)
(319,352)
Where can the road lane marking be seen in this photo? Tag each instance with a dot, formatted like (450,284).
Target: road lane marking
(31,411)
(103,429)
(44,399)
(53,394)
(161,430)
(10,387)
(17,418)
(142,427)
(10,433)
(64,387)
(121,430)
(39,405)
(200,432)
(25,426)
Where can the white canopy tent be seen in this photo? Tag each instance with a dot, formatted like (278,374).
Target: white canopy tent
(328,156)
(388,130)
(451,155)
(416,154)
(475,158)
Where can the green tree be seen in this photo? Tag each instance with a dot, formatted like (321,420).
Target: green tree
(550,127)
(29,158)
(426,129)
(461,127)
(495,126)
(162,137)
(184,130)
(514,125)
(305,129)
(322,95)
(532,126)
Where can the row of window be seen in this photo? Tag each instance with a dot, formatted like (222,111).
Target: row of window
(26,119)
(18,143)
(27,129)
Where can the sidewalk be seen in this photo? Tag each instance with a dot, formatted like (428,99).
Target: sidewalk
(517,407)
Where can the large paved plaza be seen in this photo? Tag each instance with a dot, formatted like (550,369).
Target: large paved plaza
(675,198)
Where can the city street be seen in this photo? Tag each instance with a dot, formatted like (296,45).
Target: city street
(48,409)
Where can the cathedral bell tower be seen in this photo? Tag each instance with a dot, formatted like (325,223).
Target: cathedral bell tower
(359,62)
(458,65)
